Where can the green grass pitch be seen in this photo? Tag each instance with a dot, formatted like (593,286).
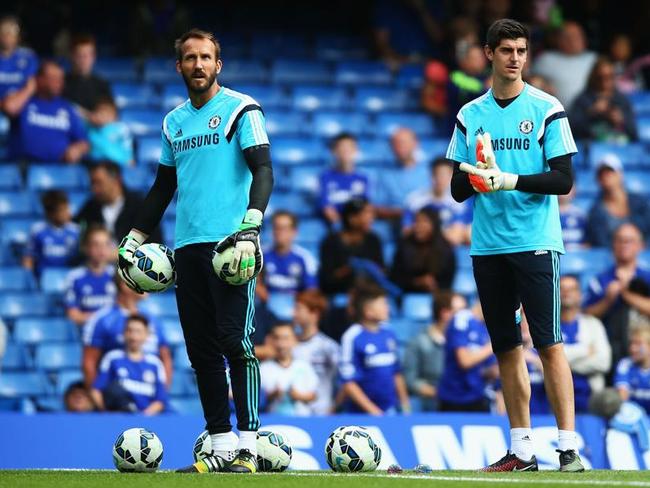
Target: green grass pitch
(323,479)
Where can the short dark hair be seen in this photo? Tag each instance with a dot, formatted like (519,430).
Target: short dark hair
(44,64)
(106,100)
(138,318)
(77,385)
(441,301)
(352,207)
(340,137)
(82,39)
(506,29)
(196,34)
(113,169)
(51,200)
(441,161)
(314,300)
(285,213)
(364,293)
(277,325)
(93,228)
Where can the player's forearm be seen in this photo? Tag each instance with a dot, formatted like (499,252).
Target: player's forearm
(461,188)
(98,398)
(358,396)
(258,159)
(166,358)
(402,393)
(637,301)
(557,181)
(77,316)
(157,200)
(600,308)
(154,408)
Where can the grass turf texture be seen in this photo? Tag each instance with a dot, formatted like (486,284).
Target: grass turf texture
(323,479)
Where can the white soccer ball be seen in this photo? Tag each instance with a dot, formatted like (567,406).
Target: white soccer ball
(137,450)
(154,270)
(203,445)
(273,451)
(352,449)
(221,265)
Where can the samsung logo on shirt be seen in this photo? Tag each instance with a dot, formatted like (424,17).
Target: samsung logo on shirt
(510,143)
(196,141)
(60,121)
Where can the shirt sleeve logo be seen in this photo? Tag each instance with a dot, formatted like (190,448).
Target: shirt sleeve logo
(214,122)
(526,126)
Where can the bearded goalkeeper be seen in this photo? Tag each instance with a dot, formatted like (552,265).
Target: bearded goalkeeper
(215,150)
(516,236)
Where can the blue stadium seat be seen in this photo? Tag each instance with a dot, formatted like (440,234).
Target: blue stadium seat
(134,95)
(286,123)
(18,384)
(335,47)
(143,122)
(405,328)
(281,305)
(53,280)
(54,357)
(410,76)
(384,230)
(48,403)
(173,94)
(268,96)
(430,149)
(388,252)
(148,149)
(638,181)
(168,227)
(463,259)
(40,330)
(173,332)
(117,69)
(640,102)
(15,231)
(380,99)
(4,132)
(181,360)
(374,151)
(464,283)
(183,382)
(16,278)
(586,183)
(643,126)
(16,357)
(362,72)
(581,261)
(14,204)
(317,98)
(65,378)
(268,45)
(244,71)
(186,406)
(421,124)
(138,178)
(10,178)
(330,124)
(77,199)
(288,150)
(417,306)
(291,72)
(304,178)
(311,231)
(632,155)
(160,70)
(14,305)
(160,304)
(296,203)
(48,177)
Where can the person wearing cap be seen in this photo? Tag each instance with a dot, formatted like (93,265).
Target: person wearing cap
(614,205)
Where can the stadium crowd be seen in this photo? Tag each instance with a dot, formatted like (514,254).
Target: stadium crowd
(366,302)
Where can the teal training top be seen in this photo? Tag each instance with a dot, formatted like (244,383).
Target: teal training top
(525,134)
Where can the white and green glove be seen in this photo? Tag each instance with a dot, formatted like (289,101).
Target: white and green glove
(247,257)
(486,176)
(130,243)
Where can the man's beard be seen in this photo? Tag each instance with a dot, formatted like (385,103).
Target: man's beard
(188,80)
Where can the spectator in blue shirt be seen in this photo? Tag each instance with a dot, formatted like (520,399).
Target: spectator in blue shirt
(341,183)
(455,217)
(91,287)
(620,290)
(55,242)
(632,379)
(48,128)
(615,205)
(370,368)
(469,364)
(18,66)
(105,332)
(110,139)
(130,379)
(573,220)
(288,268)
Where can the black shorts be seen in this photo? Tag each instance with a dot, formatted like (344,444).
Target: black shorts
(506,281)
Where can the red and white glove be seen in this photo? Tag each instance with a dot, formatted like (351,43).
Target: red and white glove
(486,176)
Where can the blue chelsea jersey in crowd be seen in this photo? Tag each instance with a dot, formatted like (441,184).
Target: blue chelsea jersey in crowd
(369,358)
(44,130)
(16,69)
(337,188)
(598,285)
(206,146)
(574,226)
(144,379)
(52,246)
(291,272)
(105,330)
(581,387)
(636,380)
(457,385)
(88,291)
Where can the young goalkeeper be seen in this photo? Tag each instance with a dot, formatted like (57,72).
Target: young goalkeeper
(516,233)
(216,151)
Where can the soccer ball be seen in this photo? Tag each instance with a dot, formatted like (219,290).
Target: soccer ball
(350,449)
(137,450)
(220,264)
(154,269)
(203,445)
(273,451)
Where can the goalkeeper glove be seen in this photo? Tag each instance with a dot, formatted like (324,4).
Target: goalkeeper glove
(486,175)
(130,243)
(247,260)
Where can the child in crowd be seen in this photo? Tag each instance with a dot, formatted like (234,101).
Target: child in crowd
(632,378)
(109,138)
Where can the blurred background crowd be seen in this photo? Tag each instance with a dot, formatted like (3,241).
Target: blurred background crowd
(367,300)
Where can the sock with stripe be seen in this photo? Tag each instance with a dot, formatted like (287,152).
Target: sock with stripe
(224,445)
(521,443)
